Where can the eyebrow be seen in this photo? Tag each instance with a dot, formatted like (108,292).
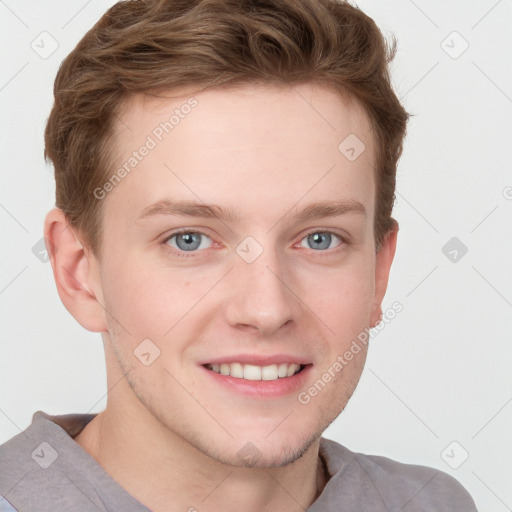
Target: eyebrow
(191,209)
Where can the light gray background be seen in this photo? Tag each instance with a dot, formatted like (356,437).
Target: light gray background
(440,371)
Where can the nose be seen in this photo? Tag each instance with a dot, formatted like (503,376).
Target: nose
(261,295)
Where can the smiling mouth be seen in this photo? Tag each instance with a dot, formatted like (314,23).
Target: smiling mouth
(253,372)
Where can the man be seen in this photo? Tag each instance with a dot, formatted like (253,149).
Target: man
(225,177)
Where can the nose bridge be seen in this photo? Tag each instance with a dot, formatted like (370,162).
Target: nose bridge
(259,295)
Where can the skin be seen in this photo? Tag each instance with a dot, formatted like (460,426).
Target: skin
(266,152)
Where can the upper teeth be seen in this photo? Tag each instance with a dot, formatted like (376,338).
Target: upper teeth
(251,372)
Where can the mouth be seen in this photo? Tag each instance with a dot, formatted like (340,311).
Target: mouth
(252,372)
(263,381)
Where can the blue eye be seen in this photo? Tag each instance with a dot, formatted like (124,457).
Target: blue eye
(320,240)
(188,241)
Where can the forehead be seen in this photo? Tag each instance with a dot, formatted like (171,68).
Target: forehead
(240,146)
(248,106)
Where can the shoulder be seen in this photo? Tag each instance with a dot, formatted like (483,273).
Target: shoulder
(33,448)
(15,468)
(399,486)
(420,486)
(15,458)
(37,469)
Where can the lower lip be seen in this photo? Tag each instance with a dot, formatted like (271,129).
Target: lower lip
(262,388)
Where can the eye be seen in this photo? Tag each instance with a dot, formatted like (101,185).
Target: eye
(188,241)
(320,240)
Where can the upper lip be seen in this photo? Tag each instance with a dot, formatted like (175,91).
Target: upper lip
(258,359)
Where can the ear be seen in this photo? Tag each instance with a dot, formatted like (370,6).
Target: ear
(75,270)
(384,258)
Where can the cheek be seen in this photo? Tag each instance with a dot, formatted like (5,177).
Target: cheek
(149,301)
(345,299)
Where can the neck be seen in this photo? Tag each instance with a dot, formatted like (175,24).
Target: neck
(127,441)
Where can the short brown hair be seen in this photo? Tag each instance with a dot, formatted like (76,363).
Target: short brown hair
(156,45)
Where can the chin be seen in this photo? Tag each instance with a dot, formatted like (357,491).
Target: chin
(260,453)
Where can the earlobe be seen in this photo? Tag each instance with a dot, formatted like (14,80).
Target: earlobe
(384,259)
(72,266)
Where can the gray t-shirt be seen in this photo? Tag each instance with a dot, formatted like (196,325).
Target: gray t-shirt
(43,469)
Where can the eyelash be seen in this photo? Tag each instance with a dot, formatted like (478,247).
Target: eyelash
(190,254)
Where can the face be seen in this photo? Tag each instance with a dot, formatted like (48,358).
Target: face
(238,263)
